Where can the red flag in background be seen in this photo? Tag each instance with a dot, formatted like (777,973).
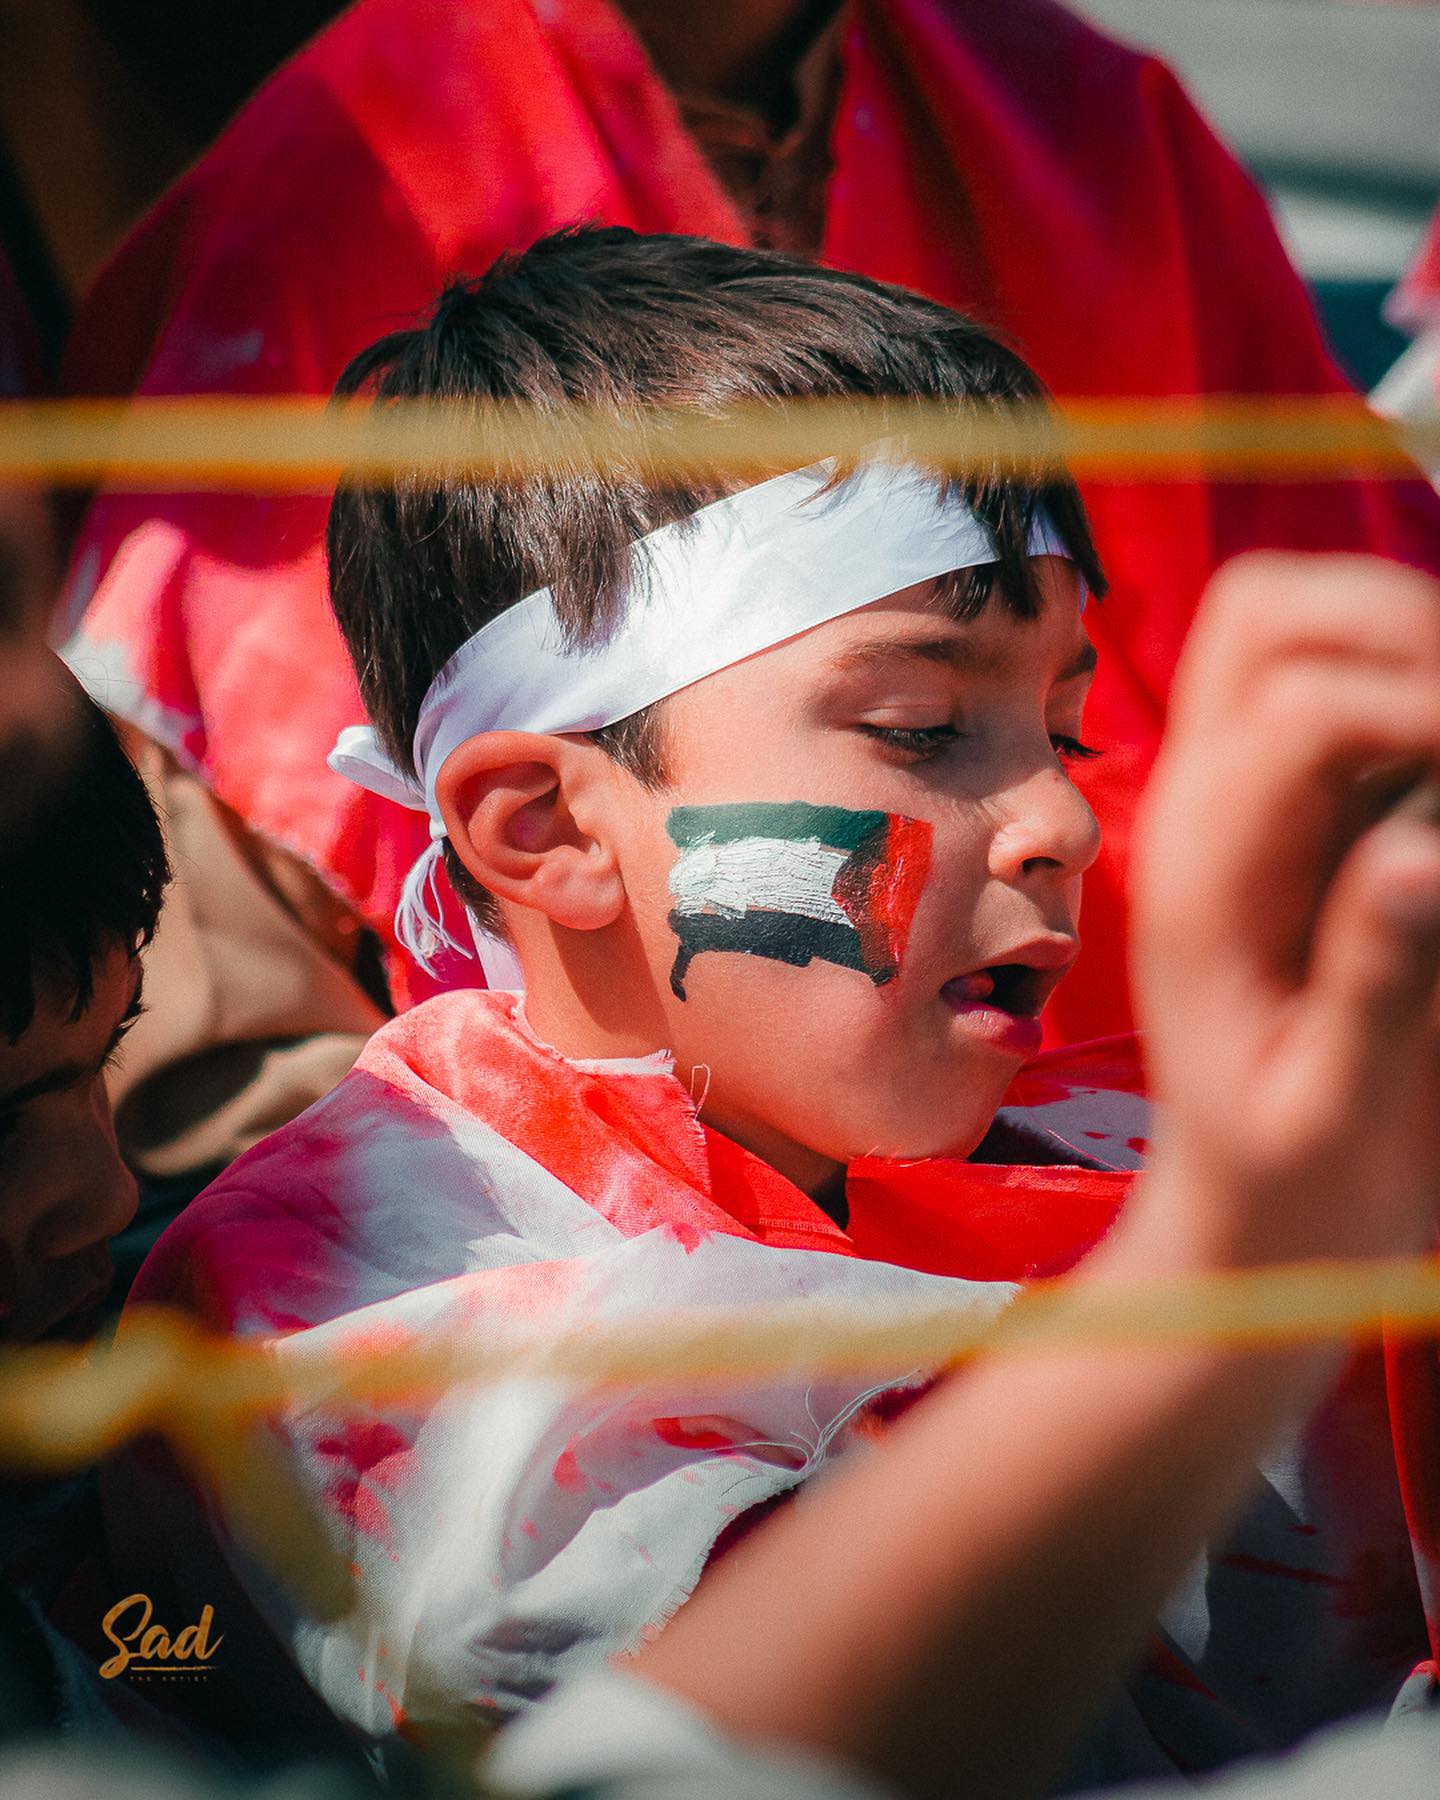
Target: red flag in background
(1010,161)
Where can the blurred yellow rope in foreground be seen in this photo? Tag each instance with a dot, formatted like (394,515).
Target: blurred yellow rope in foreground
(306,444)
(60,1409)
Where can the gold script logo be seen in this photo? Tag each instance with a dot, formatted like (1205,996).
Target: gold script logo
(143,1647)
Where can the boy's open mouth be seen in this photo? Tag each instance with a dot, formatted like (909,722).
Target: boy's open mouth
(1020,985)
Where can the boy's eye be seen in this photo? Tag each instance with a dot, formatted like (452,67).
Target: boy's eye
(122,1030)
(926,740)
(917,741)
(1070,749)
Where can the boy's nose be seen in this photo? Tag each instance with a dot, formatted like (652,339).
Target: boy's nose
(89,1197)
(1046,825)
(83,1219)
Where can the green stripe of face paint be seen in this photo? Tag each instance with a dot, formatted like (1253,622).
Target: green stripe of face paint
(837,826)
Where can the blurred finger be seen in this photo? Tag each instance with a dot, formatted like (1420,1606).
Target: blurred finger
(1248,834)
(1371,992)
(1268,608)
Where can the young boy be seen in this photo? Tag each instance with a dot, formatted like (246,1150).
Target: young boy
(765,796)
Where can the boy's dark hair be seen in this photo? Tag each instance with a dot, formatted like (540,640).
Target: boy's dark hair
(87,873)
(618,322)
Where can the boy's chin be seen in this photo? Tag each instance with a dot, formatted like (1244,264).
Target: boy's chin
(951,1119)
(925,1140)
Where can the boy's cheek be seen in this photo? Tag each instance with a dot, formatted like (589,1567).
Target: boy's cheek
(796,883)
(823,1055)
(804,976)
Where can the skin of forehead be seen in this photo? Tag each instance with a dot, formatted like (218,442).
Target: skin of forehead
(909,625)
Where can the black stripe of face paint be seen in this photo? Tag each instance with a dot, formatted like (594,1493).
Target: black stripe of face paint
(783,937)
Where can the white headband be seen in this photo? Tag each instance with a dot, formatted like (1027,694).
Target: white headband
(736,578)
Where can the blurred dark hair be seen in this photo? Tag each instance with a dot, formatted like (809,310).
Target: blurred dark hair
(87,873)
(618,322)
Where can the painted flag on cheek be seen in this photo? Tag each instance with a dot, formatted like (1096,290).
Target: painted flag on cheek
(794,882)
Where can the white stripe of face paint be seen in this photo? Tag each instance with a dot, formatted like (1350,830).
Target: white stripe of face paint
(759,874)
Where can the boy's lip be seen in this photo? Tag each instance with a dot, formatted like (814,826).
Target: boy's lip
(1017,981)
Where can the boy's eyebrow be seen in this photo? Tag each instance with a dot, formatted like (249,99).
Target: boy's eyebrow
(950,652)
(72,1074)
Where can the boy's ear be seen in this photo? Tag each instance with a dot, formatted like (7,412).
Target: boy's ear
(513,804)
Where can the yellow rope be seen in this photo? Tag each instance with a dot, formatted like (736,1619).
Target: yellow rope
(63,1408)
(300,444)
(60,1408)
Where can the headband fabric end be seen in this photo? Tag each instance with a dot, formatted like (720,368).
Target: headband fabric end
(419,918)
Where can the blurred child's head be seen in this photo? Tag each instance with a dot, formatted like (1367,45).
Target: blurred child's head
(837,877)
(80,889)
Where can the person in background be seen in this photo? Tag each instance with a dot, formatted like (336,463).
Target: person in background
(80,890)
(969,152)
(82,870)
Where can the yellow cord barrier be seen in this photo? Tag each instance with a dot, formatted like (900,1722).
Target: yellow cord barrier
(208,1395)
(305,445)
(60,1409)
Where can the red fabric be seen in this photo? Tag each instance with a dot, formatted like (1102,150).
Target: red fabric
(1009,160)
(272,1237)
(985,1223)
(633,1146)
(629,1143)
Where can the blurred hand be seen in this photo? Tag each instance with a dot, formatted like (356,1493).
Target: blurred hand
(1287,918)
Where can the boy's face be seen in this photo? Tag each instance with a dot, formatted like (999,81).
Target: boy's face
(934,889)
(64,1191)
